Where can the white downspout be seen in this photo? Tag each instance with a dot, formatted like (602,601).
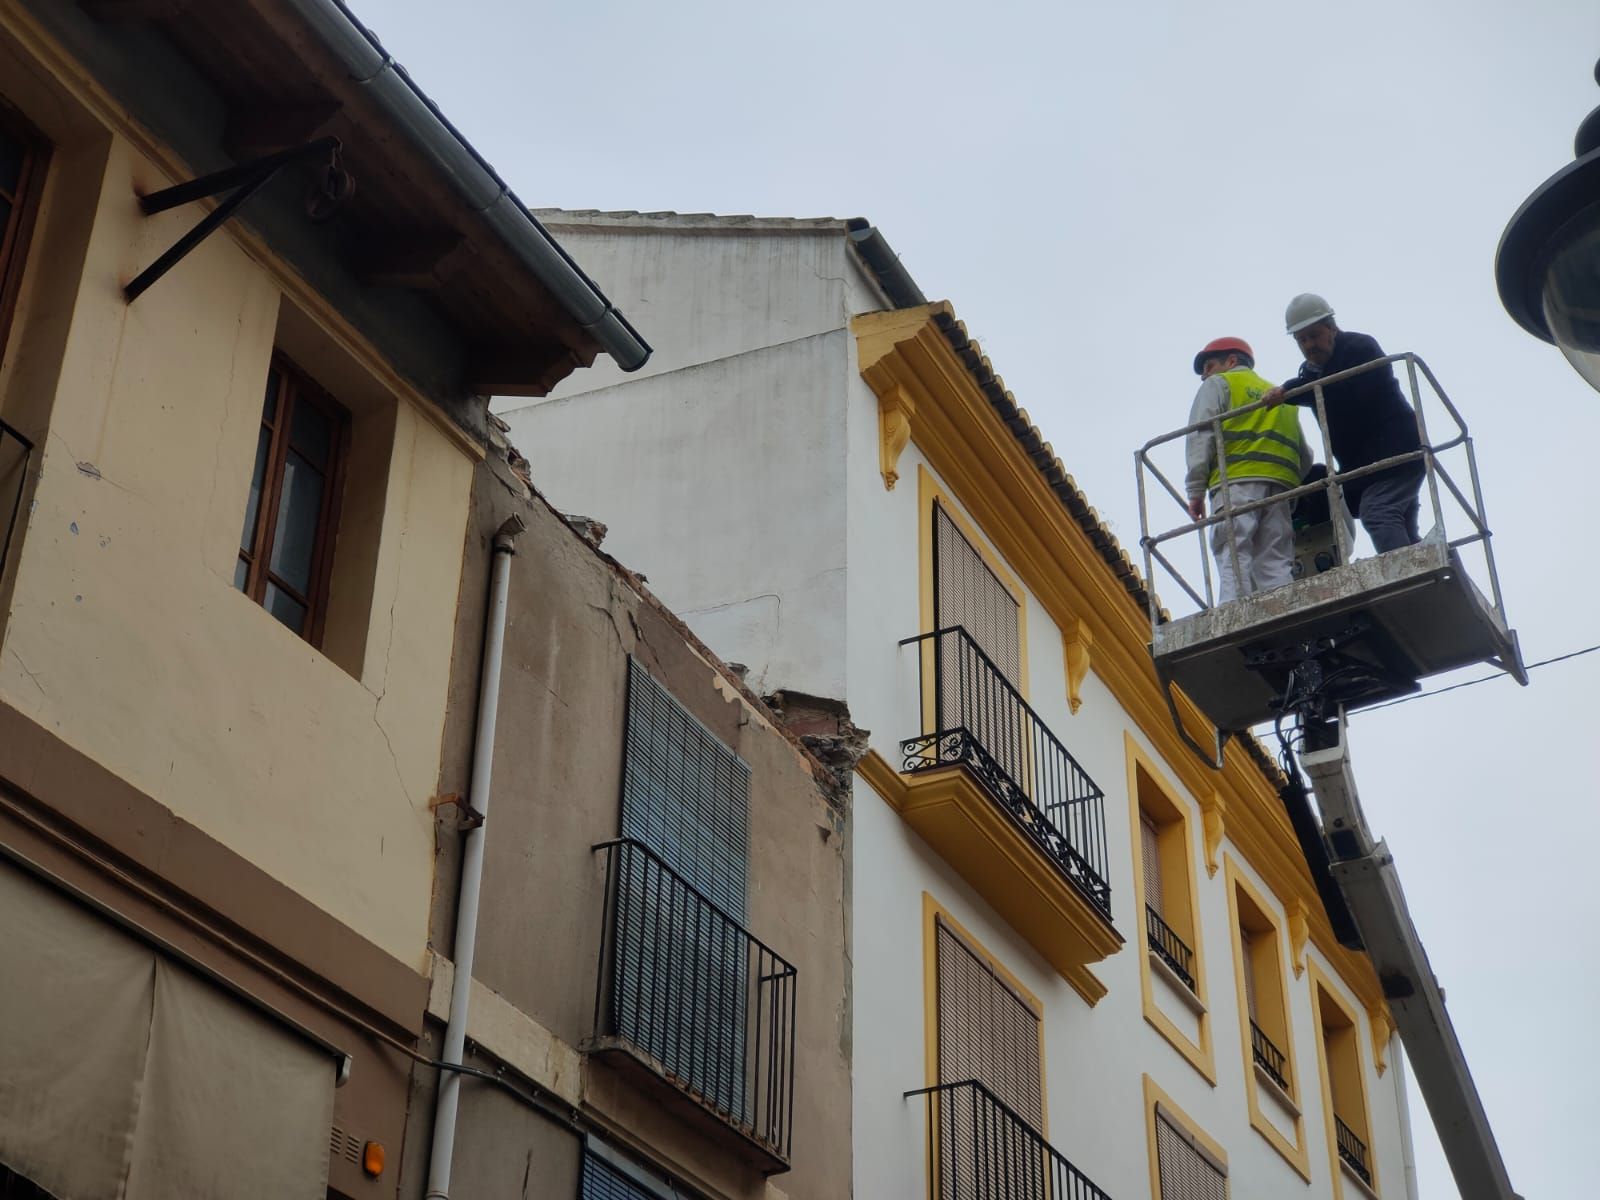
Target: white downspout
(1397,1064)
(455,1034)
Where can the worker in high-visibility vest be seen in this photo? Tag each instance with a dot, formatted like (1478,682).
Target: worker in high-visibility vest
(1265,454)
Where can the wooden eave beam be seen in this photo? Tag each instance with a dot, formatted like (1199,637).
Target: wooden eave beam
(528,371)
(254,132)
(114,11)
(423,261)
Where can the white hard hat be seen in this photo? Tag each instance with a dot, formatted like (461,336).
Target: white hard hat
(1305,309)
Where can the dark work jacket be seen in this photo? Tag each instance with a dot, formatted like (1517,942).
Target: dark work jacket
(1368,416)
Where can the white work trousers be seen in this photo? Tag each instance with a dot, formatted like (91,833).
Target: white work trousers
(1258,554)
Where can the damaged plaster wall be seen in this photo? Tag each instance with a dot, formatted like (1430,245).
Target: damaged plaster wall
(575,618)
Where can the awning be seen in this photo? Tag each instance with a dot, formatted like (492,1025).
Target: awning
(125,1075)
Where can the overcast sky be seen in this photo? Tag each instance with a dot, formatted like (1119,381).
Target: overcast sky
(1099,189)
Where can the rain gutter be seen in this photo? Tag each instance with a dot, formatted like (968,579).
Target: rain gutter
(481,190)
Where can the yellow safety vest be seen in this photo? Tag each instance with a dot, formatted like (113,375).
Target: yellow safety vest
(1264,444)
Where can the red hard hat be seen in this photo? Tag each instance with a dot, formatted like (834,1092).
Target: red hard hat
(1223,346)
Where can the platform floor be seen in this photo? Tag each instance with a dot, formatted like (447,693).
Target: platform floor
(1424,617)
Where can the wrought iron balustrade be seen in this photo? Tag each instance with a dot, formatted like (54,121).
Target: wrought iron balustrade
(1352,1150)
(16,452)
(980,1149)
(981,722)
(701,1001)
(1169,947)
(1268,1057)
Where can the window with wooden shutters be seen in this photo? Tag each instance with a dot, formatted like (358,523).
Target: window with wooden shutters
(682,973)
(1187,1171)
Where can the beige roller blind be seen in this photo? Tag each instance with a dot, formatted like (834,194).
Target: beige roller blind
(124,1076)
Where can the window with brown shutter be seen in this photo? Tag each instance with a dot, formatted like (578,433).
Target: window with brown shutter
(987,1032)
(292,512)
(1187,1171)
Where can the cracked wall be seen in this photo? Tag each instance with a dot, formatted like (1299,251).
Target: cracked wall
(124,633)
(574,618)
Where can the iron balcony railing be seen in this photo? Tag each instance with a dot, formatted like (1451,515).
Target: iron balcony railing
(1268,1057)
(1352,1150)
(16,452)
(981,722)
(1169,947)
(694,995)
(980,1149)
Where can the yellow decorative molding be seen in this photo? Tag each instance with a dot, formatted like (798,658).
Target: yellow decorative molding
(1212,825)
(1075,642)
(1382,1023)
(963,825)
(1299,931)
(894,431)
(979,460)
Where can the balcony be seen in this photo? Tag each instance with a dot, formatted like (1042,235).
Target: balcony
(1169,947)
(990,788)
(1270,1059)
(693,1006)
(1352,1151)
(979,1149)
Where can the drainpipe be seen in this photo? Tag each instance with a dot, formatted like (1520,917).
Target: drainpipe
(455,1034)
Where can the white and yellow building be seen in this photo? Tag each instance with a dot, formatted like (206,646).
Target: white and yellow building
(1107,960)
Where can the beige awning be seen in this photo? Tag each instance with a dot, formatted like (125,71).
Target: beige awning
(126,1076)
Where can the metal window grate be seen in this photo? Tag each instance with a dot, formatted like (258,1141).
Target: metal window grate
(1352,1150)
(1169,947)
(1186,1173)
(1268,1057)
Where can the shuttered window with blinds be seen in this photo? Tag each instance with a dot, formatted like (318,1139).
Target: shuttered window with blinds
(602,1180)
(685,796)
(987,1032)
(1150,850)
(1187,1171)
(966,593)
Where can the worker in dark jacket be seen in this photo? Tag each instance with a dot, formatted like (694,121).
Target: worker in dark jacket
(1368,420)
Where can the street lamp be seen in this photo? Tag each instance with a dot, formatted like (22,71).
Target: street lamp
(1548,264)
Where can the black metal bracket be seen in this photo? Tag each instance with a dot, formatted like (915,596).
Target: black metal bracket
(332,187)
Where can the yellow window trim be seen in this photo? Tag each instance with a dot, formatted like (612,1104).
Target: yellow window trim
(1296,1153)
(976,456)
(1199,1056)
(1323,987)
(1154,1096)
(932,913)
(928,491)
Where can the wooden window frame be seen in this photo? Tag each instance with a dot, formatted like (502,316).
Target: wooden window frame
(296,387)
(17,234)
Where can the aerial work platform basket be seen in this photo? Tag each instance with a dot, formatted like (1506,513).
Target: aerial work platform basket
(1378,625)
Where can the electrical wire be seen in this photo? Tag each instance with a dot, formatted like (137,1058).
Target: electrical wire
(1481,679)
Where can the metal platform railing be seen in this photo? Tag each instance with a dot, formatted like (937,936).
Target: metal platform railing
(1443,490)
(707,1005)
(16,452)
(979,1148)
